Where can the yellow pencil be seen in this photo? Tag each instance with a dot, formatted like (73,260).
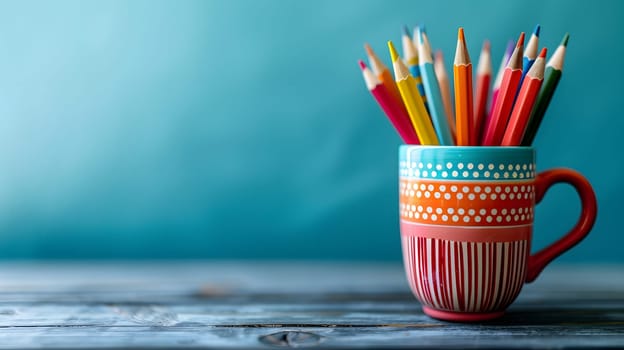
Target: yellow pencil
(413,102)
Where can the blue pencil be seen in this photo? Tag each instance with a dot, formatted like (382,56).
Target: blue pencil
(530,53)
(410,54)
(432,90)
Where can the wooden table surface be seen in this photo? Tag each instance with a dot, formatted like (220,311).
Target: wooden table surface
(290,304)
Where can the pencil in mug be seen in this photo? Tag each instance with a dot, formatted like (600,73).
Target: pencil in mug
(445,90)
(493,134)
(410,54)
(496,86)
(484,75)
(530,53)
(525,102)
(462,73)
(382,72)
(432,90)
(396,112)
(411,98)
(552,75)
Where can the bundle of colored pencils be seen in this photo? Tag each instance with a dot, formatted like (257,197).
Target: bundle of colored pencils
(418,99)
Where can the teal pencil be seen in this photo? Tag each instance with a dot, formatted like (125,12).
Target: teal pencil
(432,90)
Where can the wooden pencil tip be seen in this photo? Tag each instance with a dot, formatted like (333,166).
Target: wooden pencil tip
(537,29)
(486,45)
(520,40)
(460,35)
(394,55)
(566,37)
(439,56)
(362,64)
(369,49)
(543,53)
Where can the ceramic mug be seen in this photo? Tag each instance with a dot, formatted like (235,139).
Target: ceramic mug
(466,225)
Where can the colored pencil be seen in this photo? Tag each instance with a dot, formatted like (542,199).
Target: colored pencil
(530,54)
(445,90)
(396,112)
(462,73)
(432,90)
(509,86)
(382,72)
(411,98)
(484,75)
(552,75)
(524,103)
(410,55)
(496,86)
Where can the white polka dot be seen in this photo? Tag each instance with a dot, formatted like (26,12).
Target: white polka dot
(477,218)
(512,196)
(455,218)
(508,218)
(430,187)
(523,188)
(471,212)
(514,175)
(439,210)
(460,195)
(513,211)
(506,175)
(496,175)
(465,174)
(488,189)
(503,211)
(434,217)
(420,208)
(447,196)
(444,174)
(461,211)
(444,218)
(416,173)
(471,196)
(498,189)
(477,189)
(429,210)
(449,165)
(480,166)
(491,166)
(453,188)
(425,173)
(493,196)
(438,167)
(470,166)
(411,193)
(482,211)
(413,207)
(486,174)
(507,189)
(460,166)
(466,218)
(501,167)
(418,194)
(523,217)
(494,211)
(420,165)
(521,175)
(488,219)
(454,173)
(450,210)
(427,194)
(437,195)
(466,189)
(442,188)
(516,217)
(483,196)
(412,215)
(425,216)
(517,166)
(524,167)
(510,167)
(526,196)
(499,219)
(475,174)
(429,166)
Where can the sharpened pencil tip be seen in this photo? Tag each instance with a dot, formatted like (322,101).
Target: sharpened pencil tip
(486,45)
(362,64)
(520,41)
(406,31)
(420,35)
(536,31)
(543,53)
(460,34)
(566,37)
(422,28)
(394,55)
(369,49)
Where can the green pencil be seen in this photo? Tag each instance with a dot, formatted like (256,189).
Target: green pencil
(552,75)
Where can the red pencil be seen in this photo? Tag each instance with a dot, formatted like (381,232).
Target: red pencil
(396,112)
(524,104)
(507,93)
(484,75)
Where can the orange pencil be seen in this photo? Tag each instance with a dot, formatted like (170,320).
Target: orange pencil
(525,101)
(504,103)
(383,73)
(462,72)
(484,75)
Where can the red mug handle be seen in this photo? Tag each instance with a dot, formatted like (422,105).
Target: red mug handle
(543,182)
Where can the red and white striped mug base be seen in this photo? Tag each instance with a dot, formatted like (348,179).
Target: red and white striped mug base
(461,316)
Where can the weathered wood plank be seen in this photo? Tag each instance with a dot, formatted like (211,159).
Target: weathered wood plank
(217,305)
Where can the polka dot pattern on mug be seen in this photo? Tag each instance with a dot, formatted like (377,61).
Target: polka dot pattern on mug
(460,170)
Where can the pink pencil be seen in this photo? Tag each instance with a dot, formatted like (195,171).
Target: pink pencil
(396,112)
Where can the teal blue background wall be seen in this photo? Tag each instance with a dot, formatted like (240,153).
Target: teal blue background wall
(242,129)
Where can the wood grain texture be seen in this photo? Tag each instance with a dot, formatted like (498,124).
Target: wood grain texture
(270,305)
